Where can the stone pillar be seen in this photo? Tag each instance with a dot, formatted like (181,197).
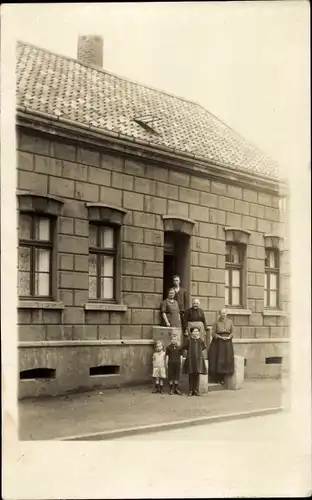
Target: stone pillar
(203,381)
(236,381)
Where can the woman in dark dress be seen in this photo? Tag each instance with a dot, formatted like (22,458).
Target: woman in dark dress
(221,352)
(194,364)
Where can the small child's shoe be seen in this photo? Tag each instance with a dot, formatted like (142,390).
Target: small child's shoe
(177,391)
(160,390)
(171,390)
(155,389)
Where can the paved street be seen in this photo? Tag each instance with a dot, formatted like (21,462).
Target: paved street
(104,411)
(250,457)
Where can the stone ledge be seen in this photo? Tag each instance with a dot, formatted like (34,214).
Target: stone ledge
(266,340)
(147,342)
(178,217)
(273,312)
(22,192)
(84,343)
(38,304)
(105,205)
(239,229)
(98,306)
(238,312)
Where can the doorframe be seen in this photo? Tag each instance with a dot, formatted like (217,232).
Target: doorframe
(182,225)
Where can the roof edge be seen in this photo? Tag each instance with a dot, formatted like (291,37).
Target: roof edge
(95,134)
(231,169)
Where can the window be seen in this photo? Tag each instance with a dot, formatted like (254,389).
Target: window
(271,280)
(233,274)
(102,262)
(35,256)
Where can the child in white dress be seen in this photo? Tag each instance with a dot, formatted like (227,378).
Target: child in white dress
(159,367)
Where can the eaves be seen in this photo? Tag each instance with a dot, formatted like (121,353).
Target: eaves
(137,148)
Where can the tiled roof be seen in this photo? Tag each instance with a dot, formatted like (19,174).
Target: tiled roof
(60,86)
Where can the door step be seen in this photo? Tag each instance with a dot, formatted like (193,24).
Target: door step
(214,387)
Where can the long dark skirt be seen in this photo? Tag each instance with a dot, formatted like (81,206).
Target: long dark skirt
(220,359)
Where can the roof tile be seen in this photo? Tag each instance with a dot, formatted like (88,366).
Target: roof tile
(59,86)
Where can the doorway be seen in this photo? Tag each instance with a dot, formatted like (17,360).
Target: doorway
(176,259)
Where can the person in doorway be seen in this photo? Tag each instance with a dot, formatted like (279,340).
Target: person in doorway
(221,352)
(159,367)
(194,363)
(181,296)
(173,364)
(170,310)
(195,316)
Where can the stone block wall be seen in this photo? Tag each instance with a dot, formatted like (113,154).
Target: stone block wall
(78,174)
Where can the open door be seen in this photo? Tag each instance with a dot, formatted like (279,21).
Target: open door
(176,259)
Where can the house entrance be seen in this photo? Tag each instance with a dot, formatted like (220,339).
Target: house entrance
(176,259)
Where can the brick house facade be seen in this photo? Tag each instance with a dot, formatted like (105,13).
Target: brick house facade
(106,219)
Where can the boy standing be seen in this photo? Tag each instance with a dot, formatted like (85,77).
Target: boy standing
(173,363)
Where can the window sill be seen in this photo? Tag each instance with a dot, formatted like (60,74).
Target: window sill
(38,304)
(273,312)
(238,312)
(99,306)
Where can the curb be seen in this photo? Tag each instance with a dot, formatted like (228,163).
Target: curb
(179,424)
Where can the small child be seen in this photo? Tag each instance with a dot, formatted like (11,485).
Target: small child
(159,367)
(173,363)
(194,364)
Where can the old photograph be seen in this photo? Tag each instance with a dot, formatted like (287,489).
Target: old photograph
(153,246)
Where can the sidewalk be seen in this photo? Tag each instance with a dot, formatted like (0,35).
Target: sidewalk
(113,410)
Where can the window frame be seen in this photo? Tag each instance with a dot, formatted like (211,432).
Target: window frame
(268,272)
(99,252)
(34,244)
(238,267)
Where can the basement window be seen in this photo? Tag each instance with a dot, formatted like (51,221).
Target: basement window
(104,370)
(274,360)
(38,374)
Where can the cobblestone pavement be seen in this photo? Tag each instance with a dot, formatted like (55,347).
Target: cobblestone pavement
(108,410)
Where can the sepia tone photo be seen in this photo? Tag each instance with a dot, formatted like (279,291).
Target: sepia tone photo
(154,261)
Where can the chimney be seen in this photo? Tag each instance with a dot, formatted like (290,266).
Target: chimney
(90,50)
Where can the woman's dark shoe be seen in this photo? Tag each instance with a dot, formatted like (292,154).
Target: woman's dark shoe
(190,393)
(196,393)
(171,390)
(222,382)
